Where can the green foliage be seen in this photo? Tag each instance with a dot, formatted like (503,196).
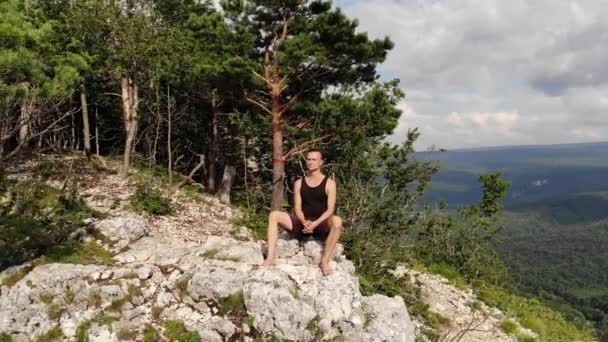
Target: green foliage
(493,188)
(126,334)
(82,331)
(37,219)
(53,335)
(562,264)
(508,326)
(47,297)
(233,305)
(5,337)
(548,324)
(150,334)
(55,311)
(176,331)
(150,200)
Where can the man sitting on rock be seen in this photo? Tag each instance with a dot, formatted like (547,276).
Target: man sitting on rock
(314,203)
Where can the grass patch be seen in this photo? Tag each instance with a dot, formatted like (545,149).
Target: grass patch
(118,303)
(54,311)
(256,222)
(48,168)
(150,334)
(449,273)
(547,323)
(14,278)
(176,331)
(55,334)
(149,200)
(126,334)
(82,332)
(69,296)
(508,326)
(80,253)
(37,219)
(210,253)
(233,305)
(105,319)
(5,337)
(47,297)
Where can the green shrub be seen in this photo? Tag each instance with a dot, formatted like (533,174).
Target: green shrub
(150,334)
(176,331)
(508,326)
(126,334)
(55,334)
(233,305)
(55,311)
(48,168)
(550,325)
(150,200)
(37,218)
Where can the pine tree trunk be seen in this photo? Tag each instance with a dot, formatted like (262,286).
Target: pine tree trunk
(129,105)
(24,119)
(226,185)
(278,164)
(86,135)
(213,146)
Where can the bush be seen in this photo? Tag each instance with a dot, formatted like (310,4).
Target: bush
(35,218)
(547,323)
(509,326)
(150,200)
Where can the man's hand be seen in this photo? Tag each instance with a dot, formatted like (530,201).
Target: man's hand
(309,226)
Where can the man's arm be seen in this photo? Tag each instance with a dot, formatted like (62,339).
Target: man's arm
(331,203)
(297,201)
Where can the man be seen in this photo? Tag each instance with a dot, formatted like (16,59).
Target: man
(314,204)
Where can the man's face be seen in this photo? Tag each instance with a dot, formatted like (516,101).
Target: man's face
(313,161)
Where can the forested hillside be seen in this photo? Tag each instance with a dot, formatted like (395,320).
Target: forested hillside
(228,102)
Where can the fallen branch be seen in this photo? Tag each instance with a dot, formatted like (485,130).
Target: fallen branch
(190,178)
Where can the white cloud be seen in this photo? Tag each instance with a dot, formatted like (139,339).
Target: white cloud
(464,64)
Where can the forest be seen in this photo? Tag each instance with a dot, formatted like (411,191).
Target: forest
(227,100)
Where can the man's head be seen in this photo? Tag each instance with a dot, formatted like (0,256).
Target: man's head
(314,160)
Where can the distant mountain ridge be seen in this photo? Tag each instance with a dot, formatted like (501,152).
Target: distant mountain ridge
(537,172)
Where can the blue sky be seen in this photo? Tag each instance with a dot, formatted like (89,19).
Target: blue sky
(495,72)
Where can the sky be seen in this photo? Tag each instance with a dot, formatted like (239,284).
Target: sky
(494,72)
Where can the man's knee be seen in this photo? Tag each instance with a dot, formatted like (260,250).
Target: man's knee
(274,216)
(335,222)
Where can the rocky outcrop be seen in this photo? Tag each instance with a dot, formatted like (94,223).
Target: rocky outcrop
(467,318)
(214,286)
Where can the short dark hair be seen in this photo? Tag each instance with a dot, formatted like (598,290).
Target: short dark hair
(314,150)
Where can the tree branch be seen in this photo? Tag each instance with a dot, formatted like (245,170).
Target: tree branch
(304,146)
(259,104)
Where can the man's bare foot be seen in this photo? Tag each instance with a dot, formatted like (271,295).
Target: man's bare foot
(325,269)
(268,263)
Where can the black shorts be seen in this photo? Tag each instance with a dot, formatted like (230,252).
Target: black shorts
(321,232)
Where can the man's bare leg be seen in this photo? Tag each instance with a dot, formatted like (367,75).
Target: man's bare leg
(275,219)
(335,229)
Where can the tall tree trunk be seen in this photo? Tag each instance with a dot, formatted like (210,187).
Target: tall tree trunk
(129,106)
(213,146)
(278,164)
(24,121)
(169,151)
(96,131)
(86,135)
(226,185)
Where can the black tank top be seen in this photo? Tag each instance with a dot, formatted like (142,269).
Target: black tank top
(314,200)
